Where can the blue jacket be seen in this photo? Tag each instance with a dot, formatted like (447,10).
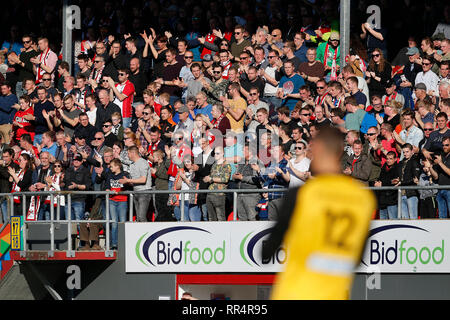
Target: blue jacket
(6,111)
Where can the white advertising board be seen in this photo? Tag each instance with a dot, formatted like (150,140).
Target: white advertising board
(199,247)
(220,247)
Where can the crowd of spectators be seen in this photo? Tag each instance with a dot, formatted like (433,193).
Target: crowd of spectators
(235,107)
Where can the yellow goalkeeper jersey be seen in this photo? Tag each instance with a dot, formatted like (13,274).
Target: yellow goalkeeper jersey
(325,238)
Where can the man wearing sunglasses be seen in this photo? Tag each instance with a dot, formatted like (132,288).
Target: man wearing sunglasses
(428,77)
(124,94)
(239,43)
(329,54)
(23,63)
(185,74)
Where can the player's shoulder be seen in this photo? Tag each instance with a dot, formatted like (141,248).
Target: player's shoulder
(335,184)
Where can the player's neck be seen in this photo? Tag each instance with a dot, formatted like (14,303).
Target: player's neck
(326,167)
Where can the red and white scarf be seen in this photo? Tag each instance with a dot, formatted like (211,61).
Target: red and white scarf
(15,187)
(216,122)
(390,97)
(319,100)
(43,57)
(333,64)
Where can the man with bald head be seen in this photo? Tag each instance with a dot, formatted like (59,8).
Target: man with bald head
(106,108)
(138,114)
(138,79)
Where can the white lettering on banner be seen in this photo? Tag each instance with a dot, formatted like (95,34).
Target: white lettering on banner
(373,281)
(74,280)
(392,247)
(375,19)
(73,14)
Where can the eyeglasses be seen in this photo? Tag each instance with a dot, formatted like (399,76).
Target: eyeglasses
(243,58)
(376,55)
(145,113)
(104,81)
(320,87)
(271,57)
(304,114)
(237,32)
(425,63)
(98,138)
(428,129)
(371,134)
(224,44)
(97,61)
(46,79)
(254,93)
(57,166)
(122,74)
(26,41)
(106,125)
(298,148)
(179,139)
(217,72)
(189,57)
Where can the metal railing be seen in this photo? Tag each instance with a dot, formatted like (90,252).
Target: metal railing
(131,194)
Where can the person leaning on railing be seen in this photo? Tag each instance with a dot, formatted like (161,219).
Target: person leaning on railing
(21,181)
(441,172)
(5,183)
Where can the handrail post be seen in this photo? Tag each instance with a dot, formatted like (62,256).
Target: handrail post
(131,206)
(235,214)
(107,223)
(69,226)
(52,227)
(399,203)
(24,233)
(182,206)
(58,208)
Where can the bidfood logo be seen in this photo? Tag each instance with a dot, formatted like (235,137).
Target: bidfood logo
(401,251)
(154,250)
(251,247)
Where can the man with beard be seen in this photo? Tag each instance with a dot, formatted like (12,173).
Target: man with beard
(329,54)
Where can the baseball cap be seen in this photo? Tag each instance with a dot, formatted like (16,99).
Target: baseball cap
(412,51)
(78,157)
(207,57)
(183,109)
(334,35)
(390,83)
(421,86)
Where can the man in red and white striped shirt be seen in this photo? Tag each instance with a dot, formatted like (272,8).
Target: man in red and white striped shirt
(124,93)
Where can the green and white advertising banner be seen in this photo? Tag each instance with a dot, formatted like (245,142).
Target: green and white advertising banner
(199,247)
(407,246)
(392,247)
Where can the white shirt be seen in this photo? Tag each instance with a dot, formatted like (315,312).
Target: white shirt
(430,79)
(270,90)
(362,85)
(301,166)
(92,115)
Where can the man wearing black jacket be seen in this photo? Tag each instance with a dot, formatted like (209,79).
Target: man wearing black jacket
(5,184)
(77,178)
(202,164)
(387,200)
(106,109)
(409,170)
